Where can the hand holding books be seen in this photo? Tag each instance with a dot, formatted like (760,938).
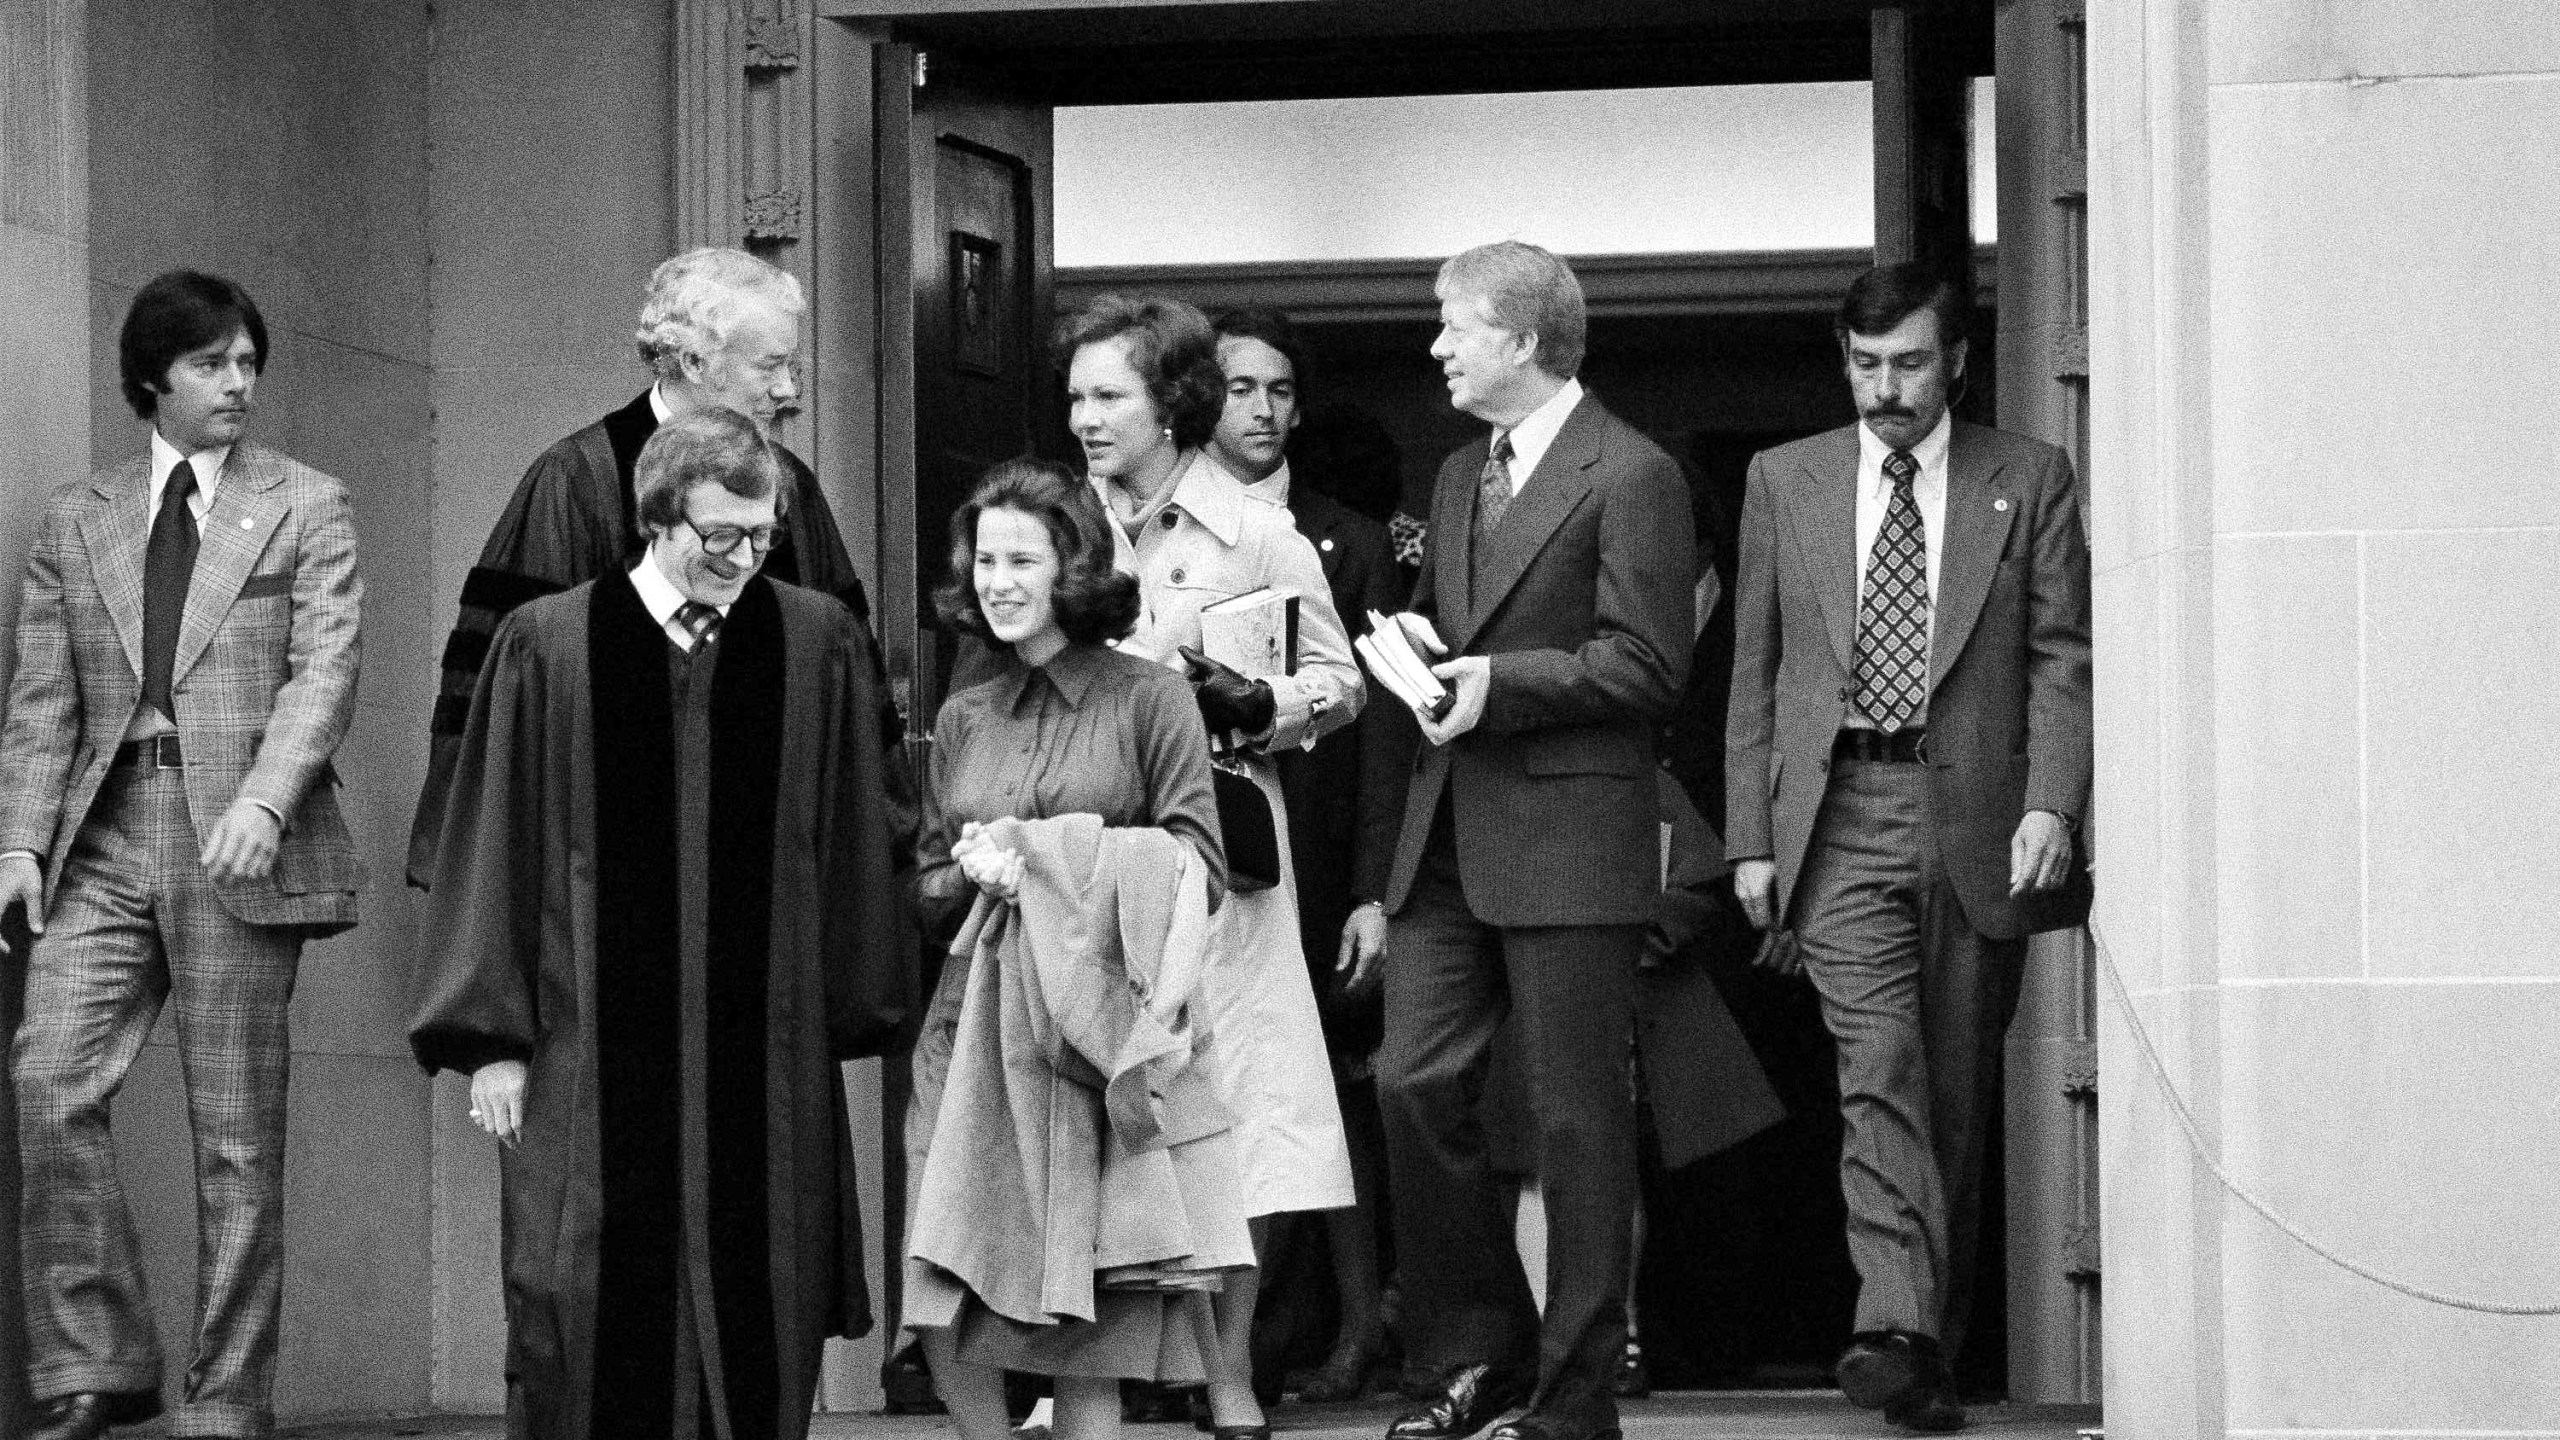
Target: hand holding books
(1393,651)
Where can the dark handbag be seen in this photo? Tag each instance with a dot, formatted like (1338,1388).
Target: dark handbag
(1246,824)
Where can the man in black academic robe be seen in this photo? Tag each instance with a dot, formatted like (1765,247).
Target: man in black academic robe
(663,910)
(719,327)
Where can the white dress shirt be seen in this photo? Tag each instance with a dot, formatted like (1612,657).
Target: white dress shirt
(1929,493)
(660,597)
(1531,437)
(208,468)
(1273,487)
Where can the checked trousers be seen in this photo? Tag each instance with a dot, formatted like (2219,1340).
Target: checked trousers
(135,923)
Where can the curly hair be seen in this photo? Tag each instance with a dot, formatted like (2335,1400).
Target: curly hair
(693,302)
(1170,346)
(1093,602)
(176,314)
(714,445)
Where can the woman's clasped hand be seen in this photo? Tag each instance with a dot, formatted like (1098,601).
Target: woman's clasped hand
(994,870)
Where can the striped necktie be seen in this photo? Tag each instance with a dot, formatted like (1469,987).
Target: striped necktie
(700,621)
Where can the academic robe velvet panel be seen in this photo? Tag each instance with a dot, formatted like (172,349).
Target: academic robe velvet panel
(553,939)
(1581,598)
(2009,726)
(573,517)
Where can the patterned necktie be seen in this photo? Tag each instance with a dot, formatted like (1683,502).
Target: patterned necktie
(1493,488)
(700,621)
(1893,619)
(168,564)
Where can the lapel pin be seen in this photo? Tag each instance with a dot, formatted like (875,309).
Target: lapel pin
(2000,505)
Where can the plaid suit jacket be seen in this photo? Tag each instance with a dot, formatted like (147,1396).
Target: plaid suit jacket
(264,681)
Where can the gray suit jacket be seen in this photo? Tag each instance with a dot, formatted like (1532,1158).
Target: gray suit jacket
(264,681)
(1581,598)
(2008,727)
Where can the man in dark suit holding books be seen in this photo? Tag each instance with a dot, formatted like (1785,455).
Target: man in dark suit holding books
(1558,574)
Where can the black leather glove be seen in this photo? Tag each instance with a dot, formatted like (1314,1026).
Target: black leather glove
(1228,701)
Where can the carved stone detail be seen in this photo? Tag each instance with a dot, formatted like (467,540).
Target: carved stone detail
(2071,354)
(2080,1252)
(773,45)
(773,215)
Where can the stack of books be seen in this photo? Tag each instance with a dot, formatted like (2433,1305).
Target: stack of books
(1394,649)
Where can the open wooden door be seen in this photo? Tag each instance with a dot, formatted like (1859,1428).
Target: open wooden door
(965,244)
(968,171)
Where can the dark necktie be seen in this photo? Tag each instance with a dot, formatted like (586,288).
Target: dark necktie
(700,621)
(1493,488)
(1893,619)
(167,566)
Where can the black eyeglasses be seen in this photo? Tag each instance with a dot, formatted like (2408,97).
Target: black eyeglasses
(723,539)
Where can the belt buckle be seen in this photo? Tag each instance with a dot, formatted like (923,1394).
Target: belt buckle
(165,754)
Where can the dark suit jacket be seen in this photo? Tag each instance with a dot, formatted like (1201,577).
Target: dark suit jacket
(1581,597)
(2008,726)
(1346,795)
(264,677)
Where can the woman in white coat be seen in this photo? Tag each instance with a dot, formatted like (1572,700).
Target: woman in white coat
(1144,391)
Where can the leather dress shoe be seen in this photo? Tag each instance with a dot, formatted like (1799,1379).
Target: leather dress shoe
(1904,1375)
(1472,1398)
(1879,1367)
(89,1415)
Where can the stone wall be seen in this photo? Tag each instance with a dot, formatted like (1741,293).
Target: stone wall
(2326,534)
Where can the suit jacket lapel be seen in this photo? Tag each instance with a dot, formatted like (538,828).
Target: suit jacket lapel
(117,534)
(234,534)
(1549,495)
(1977,530)
(1453,523)
(1824,512)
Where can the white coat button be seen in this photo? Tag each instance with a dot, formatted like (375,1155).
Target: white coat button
(2001,505)
(244,520)
(1325,545)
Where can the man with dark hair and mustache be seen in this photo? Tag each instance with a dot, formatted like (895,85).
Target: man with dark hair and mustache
(1907,763)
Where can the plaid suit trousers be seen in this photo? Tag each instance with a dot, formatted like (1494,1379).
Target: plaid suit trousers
(135,922)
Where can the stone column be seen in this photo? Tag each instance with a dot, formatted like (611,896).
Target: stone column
(44,422)
(2326,550)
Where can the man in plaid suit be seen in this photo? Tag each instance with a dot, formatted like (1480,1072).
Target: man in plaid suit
(169,826)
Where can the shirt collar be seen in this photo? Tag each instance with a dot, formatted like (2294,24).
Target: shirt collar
(1071,673)
(1273,487)
(1538,429)
(658,405)
(1930,454)
(208,465)
(658,594)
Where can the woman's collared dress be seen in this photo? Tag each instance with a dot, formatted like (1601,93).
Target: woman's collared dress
(1091,732)
(1207,540)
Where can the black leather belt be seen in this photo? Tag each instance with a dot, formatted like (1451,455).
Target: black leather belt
(1903,747)
(160,752)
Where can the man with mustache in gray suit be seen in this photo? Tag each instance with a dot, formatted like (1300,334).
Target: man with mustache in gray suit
(1907,760)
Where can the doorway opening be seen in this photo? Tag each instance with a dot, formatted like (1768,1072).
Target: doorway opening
(1715,352)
